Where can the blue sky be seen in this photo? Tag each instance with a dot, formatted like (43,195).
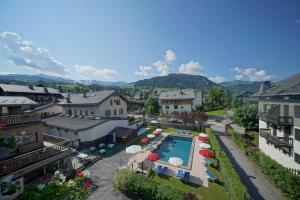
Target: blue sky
(131,40)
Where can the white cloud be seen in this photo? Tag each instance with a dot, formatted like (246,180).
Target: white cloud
(191,67)
(86,70)
(25,53)
(162,68)
(170,56)
(217,79)
(253,74)
(144,71)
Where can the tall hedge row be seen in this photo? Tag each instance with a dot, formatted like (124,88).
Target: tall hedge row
(236,188)
(137,186)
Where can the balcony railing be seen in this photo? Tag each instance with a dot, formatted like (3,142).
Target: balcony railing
(10,120)
(58,146)
(278,120)
(276,141)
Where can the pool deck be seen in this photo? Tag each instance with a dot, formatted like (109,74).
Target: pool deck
(197,168)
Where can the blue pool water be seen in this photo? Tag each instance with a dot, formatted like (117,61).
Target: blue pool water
(174,146)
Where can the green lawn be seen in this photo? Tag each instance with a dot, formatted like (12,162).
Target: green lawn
(214,191)
(216,113)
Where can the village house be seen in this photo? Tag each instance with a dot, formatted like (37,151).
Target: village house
(92,118)
(25,152)
(279,121)
(180,101)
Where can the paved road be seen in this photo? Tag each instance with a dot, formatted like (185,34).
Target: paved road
(258,186)
(102,173)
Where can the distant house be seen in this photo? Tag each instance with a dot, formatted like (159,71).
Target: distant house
(279,121)
(38,94)
(34,153)
(89,119)
(180,101)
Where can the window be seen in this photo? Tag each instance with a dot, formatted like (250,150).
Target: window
(265,108)
(167,107)
(175,106)
(86,113)
(92,112)
(115,112)
(75,112)
(70,112)
(67,112)
(107,113)
(297,134)
(297,111)
(297,158)
(181,107)
(121,111)
(286,110)
(111,102)
(4,110)
(80,112)
(274,131)
(118,102)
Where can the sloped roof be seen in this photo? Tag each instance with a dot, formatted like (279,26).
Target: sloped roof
(288,86)
(90,98)
(15,101)
(183,94)
(26,89)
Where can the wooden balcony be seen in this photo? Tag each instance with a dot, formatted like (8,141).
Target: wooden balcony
(57,147)
(11,120)
(276,141)
(277,120)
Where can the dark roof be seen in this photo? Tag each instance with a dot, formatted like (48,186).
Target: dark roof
(183,94)
(75,124)
(289,86)
(27,89)
(93,98)
(121,132)
(15,101)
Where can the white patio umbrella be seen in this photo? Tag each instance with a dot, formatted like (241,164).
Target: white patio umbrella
(159,129)
(150,136)
(205,145)
(133,149)
(203,135)
(175,161)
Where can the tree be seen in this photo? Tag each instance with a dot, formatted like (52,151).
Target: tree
(218,98)
(247,117)
(152,106)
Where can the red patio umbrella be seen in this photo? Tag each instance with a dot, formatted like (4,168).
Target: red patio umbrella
(145,140)
(156,132)
(203,139)
(206,153)
(153,156)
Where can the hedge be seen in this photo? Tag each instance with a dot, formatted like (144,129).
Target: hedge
(285,181)
(236,188)
(141,187)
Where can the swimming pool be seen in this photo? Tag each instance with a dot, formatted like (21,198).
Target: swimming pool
(174,146)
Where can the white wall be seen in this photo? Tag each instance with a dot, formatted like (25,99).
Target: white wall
(99,110)
(181,108)
(51,110)
(276,153)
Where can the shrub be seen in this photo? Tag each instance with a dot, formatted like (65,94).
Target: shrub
(150,172)
(234,184)
(141,187)
(190,196)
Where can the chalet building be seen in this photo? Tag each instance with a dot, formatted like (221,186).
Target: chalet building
(91,118)
(279,121)
(180,101)
(135,106)
(25,152)
(247,98)
(39,94)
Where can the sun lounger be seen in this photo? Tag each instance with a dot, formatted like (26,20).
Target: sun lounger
(158,168)
(182,131)
(177,131)
(164,170)
(211,176)
(186,175)
(180,173)
(189,132)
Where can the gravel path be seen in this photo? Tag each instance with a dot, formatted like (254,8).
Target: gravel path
(258,186)
(102,174)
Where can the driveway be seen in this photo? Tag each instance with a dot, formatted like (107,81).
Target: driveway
(258,186)
(102,173)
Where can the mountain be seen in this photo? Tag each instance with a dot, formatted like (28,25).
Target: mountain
(238,86)
(34,78)
(178,81)
(103,83)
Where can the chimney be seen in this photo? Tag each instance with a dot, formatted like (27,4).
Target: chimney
(68,99)
(30,86)
(264,86)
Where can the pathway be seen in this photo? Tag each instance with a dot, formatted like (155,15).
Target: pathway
(258,186)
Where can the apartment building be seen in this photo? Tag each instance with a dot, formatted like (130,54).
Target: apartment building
(25,152)
(279,121)
(92,118)
(180,101)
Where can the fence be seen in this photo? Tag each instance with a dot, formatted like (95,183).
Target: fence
(192,127)
(294,171)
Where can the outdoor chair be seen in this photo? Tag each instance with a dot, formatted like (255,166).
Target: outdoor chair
(180,173)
